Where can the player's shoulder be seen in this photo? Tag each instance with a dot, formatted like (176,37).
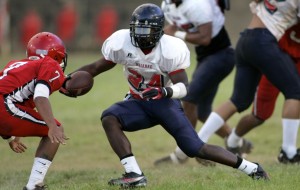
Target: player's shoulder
(47,60)
(172,47)
(117,40)
(196,4)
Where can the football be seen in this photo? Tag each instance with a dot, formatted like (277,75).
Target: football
(81,82)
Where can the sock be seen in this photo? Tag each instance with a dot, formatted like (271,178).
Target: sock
(289,136)
(130,164)
(38,172)
(248,167)
(211,125)
(233,140)
(179,154)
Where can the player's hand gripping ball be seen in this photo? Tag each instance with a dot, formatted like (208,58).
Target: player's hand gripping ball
(80,83)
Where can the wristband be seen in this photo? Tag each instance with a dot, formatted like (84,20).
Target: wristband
(180,34)
(11,139)
(179,90)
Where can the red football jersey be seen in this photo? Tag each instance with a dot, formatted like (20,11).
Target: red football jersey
(290,42)
(19,78)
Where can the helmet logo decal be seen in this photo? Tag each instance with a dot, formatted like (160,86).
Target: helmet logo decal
(41,52)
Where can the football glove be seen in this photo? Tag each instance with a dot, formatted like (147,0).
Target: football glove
(63,89)
(155,93)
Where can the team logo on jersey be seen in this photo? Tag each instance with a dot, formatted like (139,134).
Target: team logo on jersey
(271,8)
(144,65)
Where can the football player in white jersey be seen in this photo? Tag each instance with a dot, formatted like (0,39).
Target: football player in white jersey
(154,66)
(258,53)
(265,100)
(201,23)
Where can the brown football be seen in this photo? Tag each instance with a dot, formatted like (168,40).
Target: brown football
(81,82)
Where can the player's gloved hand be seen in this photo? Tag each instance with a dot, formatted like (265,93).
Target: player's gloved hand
(63,89)
(154,93)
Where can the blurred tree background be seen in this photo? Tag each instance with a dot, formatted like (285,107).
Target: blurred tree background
(83,25)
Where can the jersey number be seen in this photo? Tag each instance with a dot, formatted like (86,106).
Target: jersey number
(12,66)
(137,81)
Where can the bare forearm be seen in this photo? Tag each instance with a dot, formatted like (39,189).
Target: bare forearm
(44,108)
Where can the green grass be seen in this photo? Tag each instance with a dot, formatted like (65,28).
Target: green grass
(87,162)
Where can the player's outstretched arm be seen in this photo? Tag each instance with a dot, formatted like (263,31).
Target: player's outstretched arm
(55,133)
(97,67)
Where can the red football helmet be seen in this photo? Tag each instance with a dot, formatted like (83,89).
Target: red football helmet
(46,43)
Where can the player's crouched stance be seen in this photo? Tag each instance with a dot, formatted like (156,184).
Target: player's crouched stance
(154,65)
(25,85)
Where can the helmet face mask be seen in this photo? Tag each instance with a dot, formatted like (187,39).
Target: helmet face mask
(146,26)
(47,44)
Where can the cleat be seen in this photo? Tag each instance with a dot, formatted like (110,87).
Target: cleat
(171,159)
(282,158)
(259,174)
(205,162)
(242,151)
(129,180)
(38,187)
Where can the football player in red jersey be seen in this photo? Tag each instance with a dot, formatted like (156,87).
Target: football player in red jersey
(265,99)
(25,85)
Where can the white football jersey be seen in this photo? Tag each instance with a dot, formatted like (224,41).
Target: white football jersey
(169,55)
(277,15)
(192,13)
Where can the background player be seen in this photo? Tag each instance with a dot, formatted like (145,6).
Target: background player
(258,53)
(157,79)
(264,103)
(201,23)
(25,85)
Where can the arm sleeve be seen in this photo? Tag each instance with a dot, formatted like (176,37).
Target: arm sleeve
(41,90)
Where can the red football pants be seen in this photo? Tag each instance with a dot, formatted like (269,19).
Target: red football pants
(18,120)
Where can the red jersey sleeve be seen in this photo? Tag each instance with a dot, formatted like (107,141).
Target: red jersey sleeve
(51,74)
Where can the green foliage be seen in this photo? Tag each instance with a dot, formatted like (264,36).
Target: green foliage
(87,162)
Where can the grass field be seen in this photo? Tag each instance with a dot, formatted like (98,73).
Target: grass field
(87,162)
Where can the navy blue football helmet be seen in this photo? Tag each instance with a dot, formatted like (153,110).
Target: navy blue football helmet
(146,26)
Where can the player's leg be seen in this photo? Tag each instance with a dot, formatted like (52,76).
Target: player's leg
(23,121)
(125,116)
(263,107)
(206,78)
(222,156)
(246,80)
(211,71)
(289,84)
(188,140)
(43,159)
